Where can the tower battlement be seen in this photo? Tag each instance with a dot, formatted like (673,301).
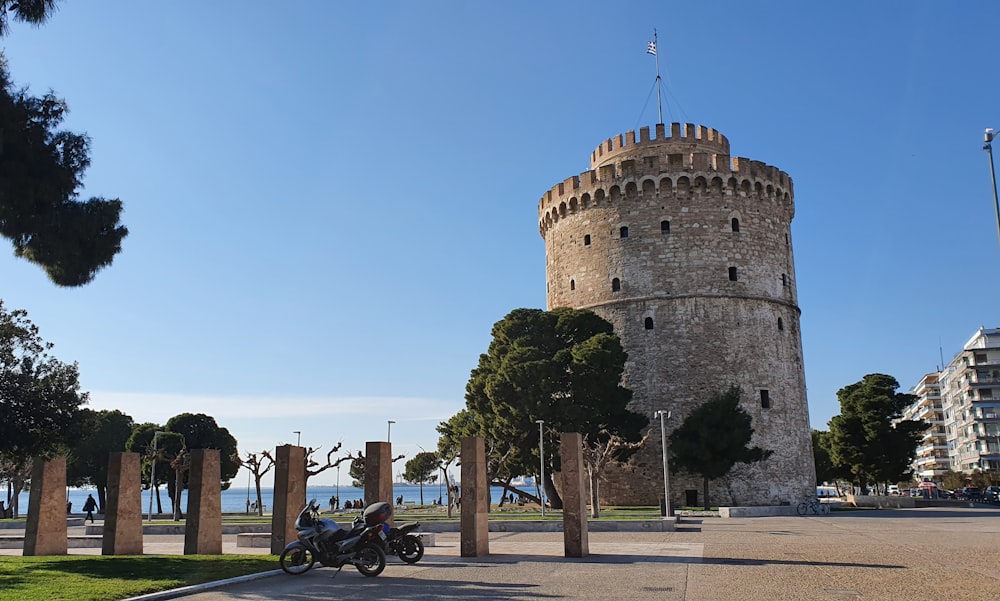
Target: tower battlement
(692,158)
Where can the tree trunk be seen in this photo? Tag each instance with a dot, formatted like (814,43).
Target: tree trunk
(595,487)
(421,492)
(555,501)
(260,508)
(178,489)
(707,504)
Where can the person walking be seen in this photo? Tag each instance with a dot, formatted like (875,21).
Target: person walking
(89,506)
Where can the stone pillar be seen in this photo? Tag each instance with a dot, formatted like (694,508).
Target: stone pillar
(574,495)
(203,529)
(123,515)
(475,498)
(45,532)
(378,473)
(289,494)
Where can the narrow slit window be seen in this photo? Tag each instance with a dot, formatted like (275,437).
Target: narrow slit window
(572,284)
(664,227)
(623,232)
(649,323)
(784,280)
(781,325)
(736,225)
(765,399)
(586,239)
(616,285)
(732,274)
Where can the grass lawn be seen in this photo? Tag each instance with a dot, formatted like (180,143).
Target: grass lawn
(109,578)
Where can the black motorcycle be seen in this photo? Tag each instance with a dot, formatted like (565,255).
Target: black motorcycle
(402,542)
(322,540)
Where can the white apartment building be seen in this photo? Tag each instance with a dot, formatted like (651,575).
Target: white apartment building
(969,389)
(931,460)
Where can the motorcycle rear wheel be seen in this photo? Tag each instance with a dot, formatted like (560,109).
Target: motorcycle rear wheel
(411,549)
(297,560)
(370,560)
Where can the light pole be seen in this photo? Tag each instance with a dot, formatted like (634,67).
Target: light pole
(152,473)
(666,473)
(988,147)
(389,431)
(298,441)
(541,464)
(338,481)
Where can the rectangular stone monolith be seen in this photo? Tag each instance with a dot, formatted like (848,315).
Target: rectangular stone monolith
(289,494)
(45,532)
(203,528)
(576,541)
(123,515)
(378,473)
(475,499)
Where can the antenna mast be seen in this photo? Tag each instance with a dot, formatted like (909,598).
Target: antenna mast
(651,49)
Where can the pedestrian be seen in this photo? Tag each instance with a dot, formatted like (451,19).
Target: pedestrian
(69,507)
(89,506)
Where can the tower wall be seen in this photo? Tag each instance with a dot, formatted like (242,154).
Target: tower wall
(688,253)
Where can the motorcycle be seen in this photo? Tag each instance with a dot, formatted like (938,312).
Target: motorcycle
(322,540)
(399,541)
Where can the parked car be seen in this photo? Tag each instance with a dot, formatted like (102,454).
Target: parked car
(992,494)
(969,493)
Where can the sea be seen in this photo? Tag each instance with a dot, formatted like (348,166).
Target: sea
(234,500)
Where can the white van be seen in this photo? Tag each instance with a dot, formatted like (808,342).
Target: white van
(893,489)
(826,492)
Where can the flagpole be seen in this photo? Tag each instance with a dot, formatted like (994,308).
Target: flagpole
(652,49)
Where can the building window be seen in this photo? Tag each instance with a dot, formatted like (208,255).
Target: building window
(732,274)
(664,227)
(736,225)
(649,323)
(623,232)
(781,325)
(765,399)
(586,239)
(784,280)
(616,285)
(572,284)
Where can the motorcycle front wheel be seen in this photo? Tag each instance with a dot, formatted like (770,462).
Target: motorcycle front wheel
(370,560)
(411,549)
(296,560)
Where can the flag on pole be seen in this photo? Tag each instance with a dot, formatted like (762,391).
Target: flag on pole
(651,48)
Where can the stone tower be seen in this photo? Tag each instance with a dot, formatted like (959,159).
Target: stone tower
(688,253)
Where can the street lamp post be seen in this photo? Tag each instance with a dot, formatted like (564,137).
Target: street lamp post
(988,147)
(338,481)
(152,473)
(541,464)
(389,431)
(666,473)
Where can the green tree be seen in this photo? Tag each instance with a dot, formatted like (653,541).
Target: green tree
(163,450)
(34,12)
(714,437)
(100,434)
(868,438)
(200,431)
(422,468)
(826,470)
(41,171)
(357,471)
(563,367)
(40,396)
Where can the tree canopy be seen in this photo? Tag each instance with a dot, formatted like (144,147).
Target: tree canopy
(563,367)
(100,434)
(200,431)
(422,468)
(714,437)
(868,439)
(41,171)
(40,396)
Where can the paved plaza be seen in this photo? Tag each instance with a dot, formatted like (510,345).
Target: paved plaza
(914,554)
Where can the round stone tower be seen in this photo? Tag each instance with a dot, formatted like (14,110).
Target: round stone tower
(688,253)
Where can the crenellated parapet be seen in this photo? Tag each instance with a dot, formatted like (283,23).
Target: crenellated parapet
(692,160)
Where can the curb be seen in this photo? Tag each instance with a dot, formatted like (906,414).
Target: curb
(205,586)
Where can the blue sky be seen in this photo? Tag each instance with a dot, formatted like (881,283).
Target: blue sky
(331,203)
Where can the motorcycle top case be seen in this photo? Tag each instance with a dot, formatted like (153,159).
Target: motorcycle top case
(376,513)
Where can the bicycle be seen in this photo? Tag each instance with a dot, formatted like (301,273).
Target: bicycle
(813,506)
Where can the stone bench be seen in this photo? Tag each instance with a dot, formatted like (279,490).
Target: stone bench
(428,538)
(260,540)
(15,541)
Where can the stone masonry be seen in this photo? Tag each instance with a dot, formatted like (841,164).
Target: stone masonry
(688,253)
